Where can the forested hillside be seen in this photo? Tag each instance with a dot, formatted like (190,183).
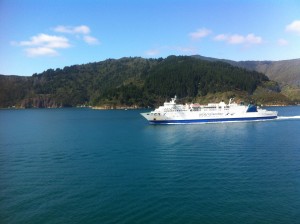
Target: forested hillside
(132,82)
(286,72)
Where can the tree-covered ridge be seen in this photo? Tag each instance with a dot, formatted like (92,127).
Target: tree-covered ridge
(127,82)
(88,83)
(189,77)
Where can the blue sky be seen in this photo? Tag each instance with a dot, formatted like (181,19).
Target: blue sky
(40,34)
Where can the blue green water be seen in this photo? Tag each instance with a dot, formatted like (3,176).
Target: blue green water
(92,166)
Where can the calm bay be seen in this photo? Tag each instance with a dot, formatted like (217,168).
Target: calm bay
(109,166)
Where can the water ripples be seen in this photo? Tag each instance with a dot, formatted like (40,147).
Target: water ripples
(124,171)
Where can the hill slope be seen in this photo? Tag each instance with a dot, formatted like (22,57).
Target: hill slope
(286,72)
(134,82)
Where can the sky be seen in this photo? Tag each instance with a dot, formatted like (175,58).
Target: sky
(36,35)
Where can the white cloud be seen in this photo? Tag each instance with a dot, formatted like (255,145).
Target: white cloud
(82,29)
(294,27)
(200,33)
(282,42)
(91,40)
(47,41)
(73,29)
(220,37)
(47,45)
(239,39)
(235,39)
(252,39)
(41,51)
(43,45)
(152,52)
(78,31)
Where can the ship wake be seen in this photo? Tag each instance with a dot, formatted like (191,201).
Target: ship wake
(288,117)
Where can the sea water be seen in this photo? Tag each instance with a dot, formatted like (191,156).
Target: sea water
(97,166)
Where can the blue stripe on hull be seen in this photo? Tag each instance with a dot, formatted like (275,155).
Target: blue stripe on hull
(211,120)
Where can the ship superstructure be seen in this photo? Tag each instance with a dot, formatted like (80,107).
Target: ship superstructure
(173,113)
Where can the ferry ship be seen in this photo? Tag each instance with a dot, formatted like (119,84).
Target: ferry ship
(173,113)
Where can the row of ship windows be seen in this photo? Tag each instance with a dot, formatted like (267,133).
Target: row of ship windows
(204,109)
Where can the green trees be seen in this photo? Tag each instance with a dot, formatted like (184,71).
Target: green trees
(189,77)
(126,81)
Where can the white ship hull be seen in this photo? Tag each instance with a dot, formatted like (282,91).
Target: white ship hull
(172,113)
(198,118)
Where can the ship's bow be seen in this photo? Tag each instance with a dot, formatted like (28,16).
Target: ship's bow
(147,116)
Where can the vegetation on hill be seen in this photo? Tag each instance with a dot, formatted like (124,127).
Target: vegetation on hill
(286,72)
(135,82)
(291,92)
(13,89)
(270,92)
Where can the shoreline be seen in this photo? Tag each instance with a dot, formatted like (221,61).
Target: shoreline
(106,107)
